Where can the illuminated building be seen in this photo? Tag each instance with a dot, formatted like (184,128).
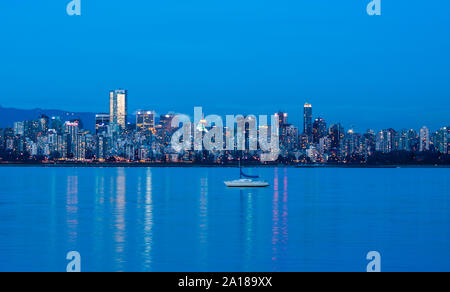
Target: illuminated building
(441,143)
(145,121)
(57,124)
(282,118)
(336,134)
(101,123)
(44,123)
(19,128)
(385,141)
(118,106)
(319,129)
(165,122)
(307,120)
(72,129)
(424,139)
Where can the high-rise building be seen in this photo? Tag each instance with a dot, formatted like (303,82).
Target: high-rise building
(44,123)
(403,140)
(165,121)
(19,129)
(424,139)
(385,141)
(72,130)
(442,140)
(307,120)
(145,121)
(118,106)
(319,129)
(282,118)
(413,141)
(57,124)
(336,134)
(101,123)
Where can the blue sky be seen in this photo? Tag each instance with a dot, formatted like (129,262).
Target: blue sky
(232,57)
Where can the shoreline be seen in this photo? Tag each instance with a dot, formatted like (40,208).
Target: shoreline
(207,165)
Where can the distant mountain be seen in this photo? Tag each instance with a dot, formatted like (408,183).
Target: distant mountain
(8,116)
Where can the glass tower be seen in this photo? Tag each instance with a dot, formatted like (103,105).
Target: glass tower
(307,120)
(118,108)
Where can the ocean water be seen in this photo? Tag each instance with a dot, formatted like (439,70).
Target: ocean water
(185,219)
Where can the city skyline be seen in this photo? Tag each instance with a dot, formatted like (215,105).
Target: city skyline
(373,72)
(150,139)
(298,119)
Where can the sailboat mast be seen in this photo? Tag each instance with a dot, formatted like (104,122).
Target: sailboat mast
(240,167)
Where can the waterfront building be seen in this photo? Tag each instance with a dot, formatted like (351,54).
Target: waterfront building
(19,129)
(282,118)
(102,122)
(385,141)
(57,124)
(307,120)
(71,130)
(118,105)
(424,139)
(442,140)
(145,121)
(44,123)
(319,129)
(336,134)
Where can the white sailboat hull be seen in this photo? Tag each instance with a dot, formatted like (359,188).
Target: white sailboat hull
(246,183)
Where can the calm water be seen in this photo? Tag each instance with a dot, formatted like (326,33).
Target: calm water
(184,219)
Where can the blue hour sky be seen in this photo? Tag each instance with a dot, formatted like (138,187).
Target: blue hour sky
(233,57)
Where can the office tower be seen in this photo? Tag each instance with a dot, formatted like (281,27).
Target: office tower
(57,124)
(118,104)
(319,129)
(307,120)
(336,133)
(145,121)
(282,118)
(101,123)
(165,122)
(71,130)
(424,139)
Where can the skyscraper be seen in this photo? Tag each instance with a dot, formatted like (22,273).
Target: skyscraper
(72,130)
(101,123)
(442,140)
(307,120)
(336,133)
(282,118)
(118,105)
(145,121)
(319,129)
(424,139)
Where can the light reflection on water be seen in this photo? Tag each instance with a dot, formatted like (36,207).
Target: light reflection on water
(185,219)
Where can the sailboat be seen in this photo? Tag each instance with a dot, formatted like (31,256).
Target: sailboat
(246,181)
